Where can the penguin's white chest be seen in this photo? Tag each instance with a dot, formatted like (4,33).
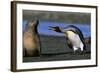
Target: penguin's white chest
(74,38)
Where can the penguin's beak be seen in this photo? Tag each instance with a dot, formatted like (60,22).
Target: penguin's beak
(51,28)
(57,29)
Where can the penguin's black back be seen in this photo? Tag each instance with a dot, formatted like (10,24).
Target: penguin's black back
(77,31)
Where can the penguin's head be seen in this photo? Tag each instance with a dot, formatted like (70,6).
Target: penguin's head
(56,28)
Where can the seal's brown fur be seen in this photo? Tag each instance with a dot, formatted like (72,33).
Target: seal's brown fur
(30,39)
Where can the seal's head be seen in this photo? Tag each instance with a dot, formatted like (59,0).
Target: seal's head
(33,23)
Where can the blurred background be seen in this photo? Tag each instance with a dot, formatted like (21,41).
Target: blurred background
(61,19)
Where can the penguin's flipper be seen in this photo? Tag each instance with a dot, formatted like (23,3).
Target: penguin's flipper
(69,43)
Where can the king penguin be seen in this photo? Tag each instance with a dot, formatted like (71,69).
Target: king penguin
(74,36)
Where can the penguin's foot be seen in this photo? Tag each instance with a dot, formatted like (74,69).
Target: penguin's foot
(76,52)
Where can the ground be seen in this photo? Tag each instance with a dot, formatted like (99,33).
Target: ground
(54,48)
